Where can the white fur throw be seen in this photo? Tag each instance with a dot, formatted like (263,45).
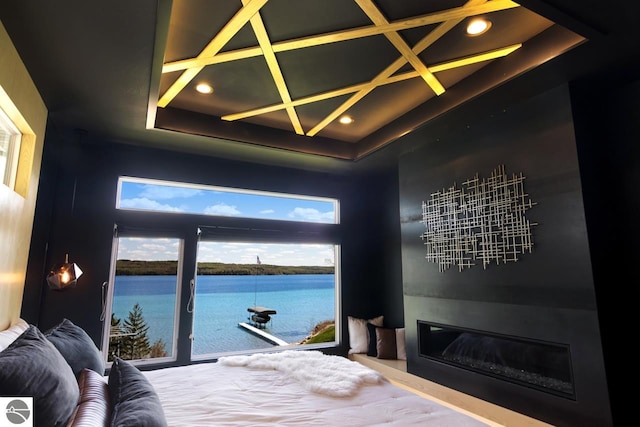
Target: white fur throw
(317,372)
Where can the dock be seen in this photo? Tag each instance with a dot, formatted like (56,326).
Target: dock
(261,333)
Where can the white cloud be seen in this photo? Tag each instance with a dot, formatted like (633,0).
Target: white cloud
(148,249)
(146,204)
(162,249)
(267,211)
(309,214)
(221,209)
(269,253)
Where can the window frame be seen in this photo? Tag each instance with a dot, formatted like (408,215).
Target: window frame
(189,227)
(336,300)
(13,137)
(108,303)
(229,190)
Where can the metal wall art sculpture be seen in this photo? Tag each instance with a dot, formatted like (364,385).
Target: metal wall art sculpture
(482,222)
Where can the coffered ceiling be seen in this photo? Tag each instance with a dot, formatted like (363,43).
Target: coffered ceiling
(284,73)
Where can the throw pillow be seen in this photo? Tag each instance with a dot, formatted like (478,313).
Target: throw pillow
(134,401)
(93,407)
(10,334)
(32,366)
(76,346)
(386,343)
(358,334)
(400,344)
(371,336)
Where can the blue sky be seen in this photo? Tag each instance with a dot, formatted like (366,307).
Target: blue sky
(159,196)
(212,201)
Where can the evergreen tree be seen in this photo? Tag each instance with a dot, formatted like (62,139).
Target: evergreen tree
(129,339)
(136,345)
(114,339)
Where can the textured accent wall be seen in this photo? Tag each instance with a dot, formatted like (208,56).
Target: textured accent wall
(547,295)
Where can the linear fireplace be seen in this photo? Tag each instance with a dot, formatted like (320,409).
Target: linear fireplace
(541,365)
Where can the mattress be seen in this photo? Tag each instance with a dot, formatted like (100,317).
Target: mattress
(251,391)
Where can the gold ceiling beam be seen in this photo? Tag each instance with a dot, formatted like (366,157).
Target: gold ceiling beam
(420,21)
(425,42)
(448,65)
(372,11)
(319,97)
(474,59)
(338,36)
(267,51)
(228,31)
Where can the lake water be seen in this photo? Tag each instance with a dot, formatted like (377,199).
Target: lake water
(221,302)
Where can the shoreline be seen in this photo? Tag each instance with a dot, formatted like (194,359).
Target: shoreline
(168,268)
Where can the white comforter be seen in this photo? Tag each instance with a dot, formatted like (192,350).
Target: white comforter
(277,392)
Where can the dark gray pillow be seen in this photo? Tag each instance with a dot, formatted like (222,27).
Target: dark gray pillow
(372,346)
(32,366)
(76,346)
(134,401)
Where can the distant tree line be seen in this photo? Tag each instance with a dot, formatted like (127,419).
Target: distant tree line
(126,267)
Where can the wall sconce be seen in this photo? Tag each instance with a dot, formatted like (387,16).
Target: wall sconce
(64,276)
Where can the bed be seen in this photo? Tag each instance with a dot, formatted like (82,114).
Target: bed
(285,388)
(292,388)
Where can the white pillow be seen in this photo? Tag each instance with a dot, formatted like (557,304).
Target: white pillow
(358,334)
(9,335)
(400,344)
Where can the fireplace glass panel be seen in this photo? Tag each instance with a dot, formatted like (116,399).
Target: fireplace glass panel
(541,365)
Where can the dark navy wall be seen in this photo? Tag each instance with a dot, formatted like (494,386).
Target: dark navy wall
(374,235)
(548,294)
(76,214)
(607,123)
(577,147)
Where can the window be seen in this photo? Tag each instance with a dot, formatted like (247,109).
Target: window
(17,145)
(163,196)
(240,270)
(296,283)
(10,138)
(144,298)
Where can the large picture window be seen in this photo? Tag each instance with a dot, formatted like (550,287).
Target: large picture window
(294,283)
(236,271)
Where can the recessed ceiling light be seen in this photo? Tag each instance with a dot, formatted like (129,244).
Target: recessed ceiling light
(346,120)
(478,26)
(204,88)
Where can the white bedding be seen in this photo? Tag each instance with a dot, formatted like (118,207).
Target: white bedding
(272,393)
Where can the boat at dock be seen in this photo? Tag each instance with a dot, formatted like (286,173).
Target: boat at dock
(260,316)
